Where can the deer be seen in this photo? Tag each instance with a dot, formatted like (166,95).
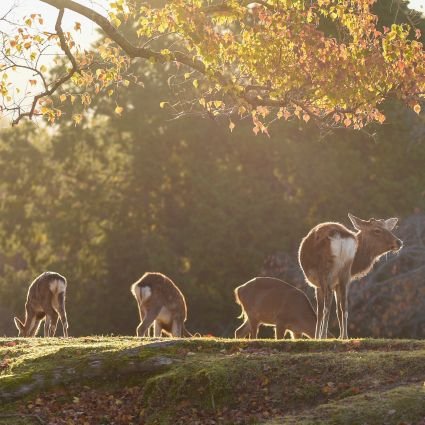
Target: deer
(45,300)
(273,302)
(331,256)
(161,303)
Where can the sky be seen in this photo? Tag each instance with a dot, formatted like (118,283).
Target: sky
(418,5)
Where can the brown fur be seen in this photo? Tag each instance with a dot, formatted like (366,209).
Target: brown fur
(270,301)
(329,271)
(44,301)
(164,304)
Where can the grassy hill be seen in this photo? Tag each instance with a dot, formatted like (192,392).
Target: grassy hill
(116,380)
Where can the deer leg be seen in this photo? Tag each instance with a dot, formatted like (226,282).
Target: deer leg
(50,319)
(243,330)
(53,324)
(327,301)
(35,324)
(149,318)
(343,305)
(177,328)
(47,323)
(339,313)
(280,331)
(254,328)
(157,330)
(62,313)
(319,311)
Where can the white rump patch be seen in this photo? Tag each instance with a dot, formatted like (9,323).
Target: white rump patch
(343,250)
(145,292)
(57,286)
(141,293)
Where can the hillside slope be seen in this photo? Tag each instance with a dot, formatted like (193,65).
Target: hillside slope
(114,380)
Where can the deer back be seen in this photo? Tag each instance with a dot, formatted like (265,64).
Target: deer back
(44,290)
(327,247)
(158,289)
(270,300)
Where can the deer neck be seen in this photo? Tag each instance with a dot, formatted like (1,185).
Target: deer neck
(364,258)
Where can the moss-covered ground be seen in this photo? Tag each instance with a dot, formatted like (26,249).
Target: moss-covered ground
(117,380)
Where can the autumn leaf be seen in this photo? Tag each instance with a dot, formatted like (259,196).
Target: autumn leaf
(77,118)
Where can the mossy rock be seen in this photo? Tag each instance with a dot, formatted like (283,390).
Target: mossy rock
(260,381)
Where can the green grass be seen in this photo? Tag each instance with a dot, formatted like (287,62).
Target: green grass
(275,382)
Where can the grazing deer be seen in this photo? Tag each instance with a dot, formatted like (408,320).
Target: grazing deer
(45,300)
(160,301)
(270,301)
(331,256)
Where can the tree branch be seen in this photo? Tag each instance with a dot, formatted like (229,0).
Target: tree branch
(60,81)
(129,48)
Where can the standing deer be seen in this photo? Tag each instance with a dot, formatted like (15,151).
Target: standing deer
(331,256)
(270,301)
(160,301)
(45,300)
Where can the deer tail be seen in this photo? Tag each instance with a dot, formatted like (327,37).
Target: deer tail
(186,333)
(239,302)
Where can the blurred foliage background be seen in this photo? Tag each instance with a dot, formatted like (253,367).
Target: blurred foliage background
(117,196)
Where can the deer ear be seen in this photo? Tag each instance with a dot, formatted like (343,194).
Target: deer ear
(390,223)
(358,223)
(18,324)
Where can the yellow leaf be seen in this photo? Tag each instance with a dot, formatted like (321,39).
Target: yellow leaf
(232,126)
(417,108)
(118,110)
(241,110)
(116,21)
(195,83)
(62,97)
(77,118)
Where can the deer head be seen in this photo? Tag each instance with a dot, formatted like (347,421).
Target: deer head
(377,234)
(22,331)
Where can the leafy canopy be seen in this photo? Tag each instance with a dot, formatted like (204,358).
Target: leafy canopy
(324,60)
